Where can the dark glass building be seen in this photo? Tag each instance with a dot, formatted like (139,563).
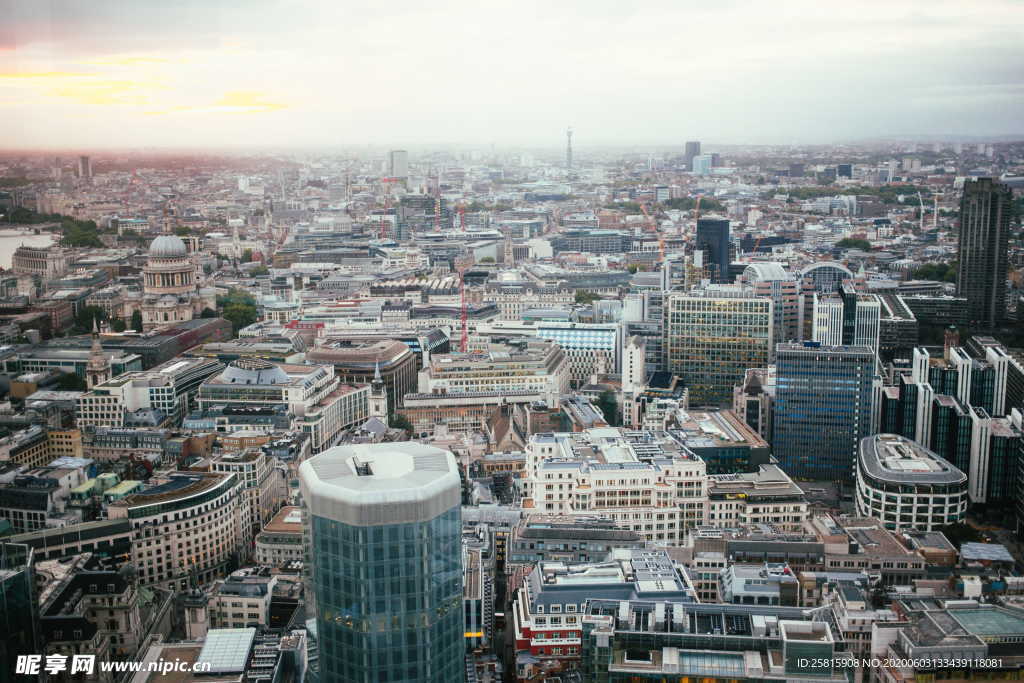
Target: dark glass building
(713,240)
(383,534)
(823,400)
(984,231)
(18,612)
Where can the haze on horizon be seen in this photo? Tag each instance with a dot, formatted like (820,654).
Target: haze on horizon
(110,74)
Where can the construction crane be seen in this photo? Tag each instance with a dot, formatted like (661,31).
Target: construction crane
(464,316)
(920,226)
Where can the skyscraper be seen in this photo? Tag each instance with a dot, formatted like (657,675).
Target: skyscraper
(713,240)
(847,319)
(85,168)
(692,150)
(823,403)
(711,336)
(398,163)
(383,533)
(984,231)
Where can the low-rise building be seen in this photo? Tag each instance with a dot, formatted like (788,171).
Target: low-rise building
(281,539)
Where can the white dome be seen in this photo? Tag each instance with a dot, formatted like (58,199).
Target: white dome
(168,246)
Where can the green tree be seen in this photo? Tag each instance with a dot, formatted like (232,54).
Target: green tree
(943,272)
(137,320)
(87,316)
(239,308)
(69,381)
(487,259)
(400,421)
(182,230)
(609,407)
(259,270)
(632,268)
(854,243)
(586,297)
(247,256)
(208,313)
(117,325)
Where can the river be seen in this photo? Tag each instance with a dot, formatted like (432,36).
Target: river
(12,238)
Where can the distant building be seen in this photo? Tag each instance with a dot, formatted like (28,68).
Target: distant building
(398,163)
(713,240)
(691,150)
(48,263)
(703,163)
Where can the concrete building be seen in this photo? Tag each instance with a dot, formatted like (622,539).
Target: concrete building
(384,591)
(280,541)
(319,404)
(241,600)
(985,210)
(357,362)
(185,527)
(906,486)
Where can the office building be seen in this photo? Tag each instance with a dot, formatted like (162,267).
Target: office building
(358,361)
(703,163)
(384,591)
(713,241)
(822,408)
(773,281)
(645,639)
(85,168)
(712,336)
(165,391)
(691,150)
(847,318)
(535,365)
(317,402)
(18,609)
(398,163)
(907,486)
(549,610)
(985,210)
(204,505)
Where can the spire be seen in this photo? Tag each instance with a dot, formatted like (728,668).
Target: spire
(376,373)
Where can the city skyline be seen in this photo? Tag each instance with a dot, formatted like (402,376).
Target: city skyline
(282,74)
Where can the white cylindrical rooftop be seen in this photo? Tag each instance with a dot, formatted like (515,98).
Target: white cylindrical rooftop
(378,484)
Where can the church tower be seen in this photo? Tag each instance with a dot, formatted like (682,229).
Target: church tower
(97,370)
(378,397)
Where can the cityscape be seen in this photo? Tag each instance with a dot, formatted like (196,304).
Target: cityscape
(511,345)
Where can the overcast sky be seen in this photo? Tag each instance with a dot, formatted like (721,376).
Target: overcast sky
(193,73)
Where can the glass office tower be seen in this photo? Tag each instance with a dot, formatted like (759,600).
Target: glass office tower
(823,402)
(383,532)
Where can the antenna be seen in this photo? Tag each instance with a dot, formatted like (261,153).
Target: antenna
(568,148)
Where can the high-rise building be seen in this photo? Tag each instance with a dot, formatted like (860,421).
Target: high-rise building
(984,231)
(712,336)
(18,609)
(713,240)
(823,403)
(844,170)
(85,168)
(692,150)
(702,164)
(398,163)
(773,281)
(383,532)
(849,319)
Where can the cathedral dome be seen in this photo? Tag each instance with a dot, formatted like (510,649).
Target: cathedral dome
(168,246)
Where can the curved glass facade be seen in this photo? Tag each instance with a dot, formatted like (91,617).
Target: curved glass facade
(388,599)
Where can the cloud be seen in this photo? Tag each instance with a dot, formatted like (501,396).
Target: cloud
(232,102)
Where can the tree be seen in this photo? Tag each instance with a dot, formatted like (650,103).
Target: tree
(854,243)
(487,259)
(239,308)
(87,316)
(585,297)
(247,256)
(182,231)
(208,313)
(400,421)
(632,268)
(259,270)
(117,325)
(137,320)
(943,272)
(609,407)
(69,381)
